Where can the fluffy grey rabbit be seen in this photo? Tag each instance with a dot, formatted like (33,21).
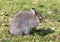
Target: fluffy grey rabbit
(24,21)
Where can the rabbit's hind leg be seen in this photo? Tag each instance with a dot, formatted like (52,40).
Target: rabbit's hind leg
(18,32)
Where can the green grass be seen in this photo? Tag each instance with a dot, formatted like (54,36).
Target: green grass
(49,28)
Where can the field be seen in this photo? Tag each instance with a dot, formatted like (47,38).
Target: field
(49,28)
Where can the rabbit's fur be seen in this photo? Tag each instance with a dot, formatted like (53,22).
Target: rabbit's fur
(24,21)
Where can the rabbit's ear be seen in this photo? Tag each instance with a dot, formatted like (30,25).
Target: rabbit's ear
(33,11)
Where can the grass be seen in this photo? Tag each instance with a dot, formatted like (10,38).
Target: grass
(49,28)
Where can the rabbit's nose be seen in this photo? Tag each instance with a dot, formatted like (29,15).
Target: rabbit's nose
(40,17)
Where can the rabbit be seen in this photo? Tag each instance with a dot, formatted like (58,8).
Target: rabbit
(24,21)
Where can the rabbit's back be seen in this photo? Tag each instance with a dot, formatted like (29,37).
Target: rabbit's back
(25,19)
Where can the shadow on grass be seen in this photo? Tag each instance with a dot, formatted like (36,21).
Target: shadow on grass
(42,32)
